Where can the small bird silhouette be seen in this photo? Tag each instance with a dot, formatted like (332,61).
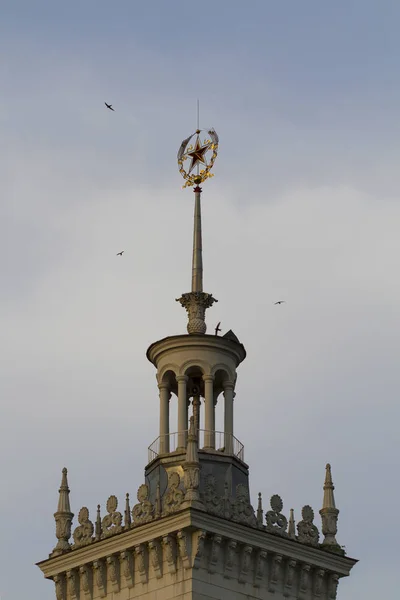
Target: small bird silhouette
(120,253)
(280,302)
(217,328)
(109,106)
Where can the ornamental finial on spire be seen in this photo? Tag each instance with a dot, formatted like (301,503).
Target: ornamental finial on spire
(200,153)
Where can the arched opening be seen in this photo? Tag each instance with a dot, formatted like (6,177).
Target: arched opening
(221,376)
(167,386)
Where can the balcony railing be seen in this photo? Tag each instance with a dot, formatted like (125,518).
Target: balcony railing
(217,441)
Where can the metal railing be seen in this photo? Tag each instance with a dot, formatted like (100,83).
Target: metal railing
(218,441)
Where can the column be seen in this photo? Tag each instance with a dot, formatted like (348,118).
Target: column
(228,417)
(165,395)
(182,411)
(209,416)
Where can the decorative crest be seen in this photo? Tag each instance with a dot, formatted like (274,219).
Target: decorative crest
(276,521)
(201,153)
(308,532)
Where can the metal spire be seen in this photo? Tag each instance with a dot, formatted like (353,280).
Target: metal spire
(196,302)
(197,261)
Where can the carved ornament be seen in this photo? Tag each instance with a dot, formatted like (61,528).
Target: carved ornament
(113,572)
(125,559)
(275,572)
(304,579)
(140,560)
(183,548)
(230,556)
(260,567)
(276,521)
(307,532)
(155,558)
(333,586)
(111,523)
(100,577)
(215,551)
(143,511)
(245,563)
(72,583)
(319,582)
(174,496)
(86,580)
(168,543)
(59,581)
(243,511)
(212,501)
(83,534)
(201,540)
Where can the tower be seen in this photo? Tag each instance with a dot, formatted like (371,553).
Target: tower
(193,533)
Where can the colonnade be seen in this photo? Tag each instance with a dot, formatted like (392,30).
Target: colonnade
(209,414)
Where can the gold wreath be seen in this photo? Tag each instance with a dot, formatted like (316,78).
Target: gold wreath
(192,179)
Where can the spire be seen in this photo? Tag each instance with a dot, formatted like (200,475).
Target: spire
(201,153)
(98,528)
(63,499)
(63,518)
(128,520)
(197,261)
(292,525)
(259,511)
(329,515)
(329,498)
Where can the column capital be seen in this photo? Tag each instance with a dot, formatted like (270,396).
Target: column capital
(228,386)
(164,386)
(208,378)
(182,378)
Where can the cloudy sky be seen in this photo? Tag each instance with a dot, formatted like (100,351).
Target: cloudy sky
(304,207)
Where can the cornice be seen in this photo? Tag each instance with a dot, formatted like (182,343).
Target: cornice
(194,519)
(117,543)
(177,342)
(272,543)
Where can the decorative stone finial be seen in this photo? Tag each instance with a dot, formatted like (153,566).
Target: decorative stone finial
(98,528)
(127,515)
(191,469)
(292,525)
(196,302)
(259,511)
(63,518)
(329,515)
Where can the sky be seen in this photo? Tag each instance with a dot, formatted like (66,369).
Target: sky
(303,207)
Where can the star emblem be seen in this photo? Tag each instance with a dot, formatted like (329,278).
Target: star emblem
(197,154)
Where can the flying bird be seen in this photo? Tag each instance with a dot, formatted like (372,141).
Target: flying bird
(109,106)
(120,253)
(280,302)
(217,328)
